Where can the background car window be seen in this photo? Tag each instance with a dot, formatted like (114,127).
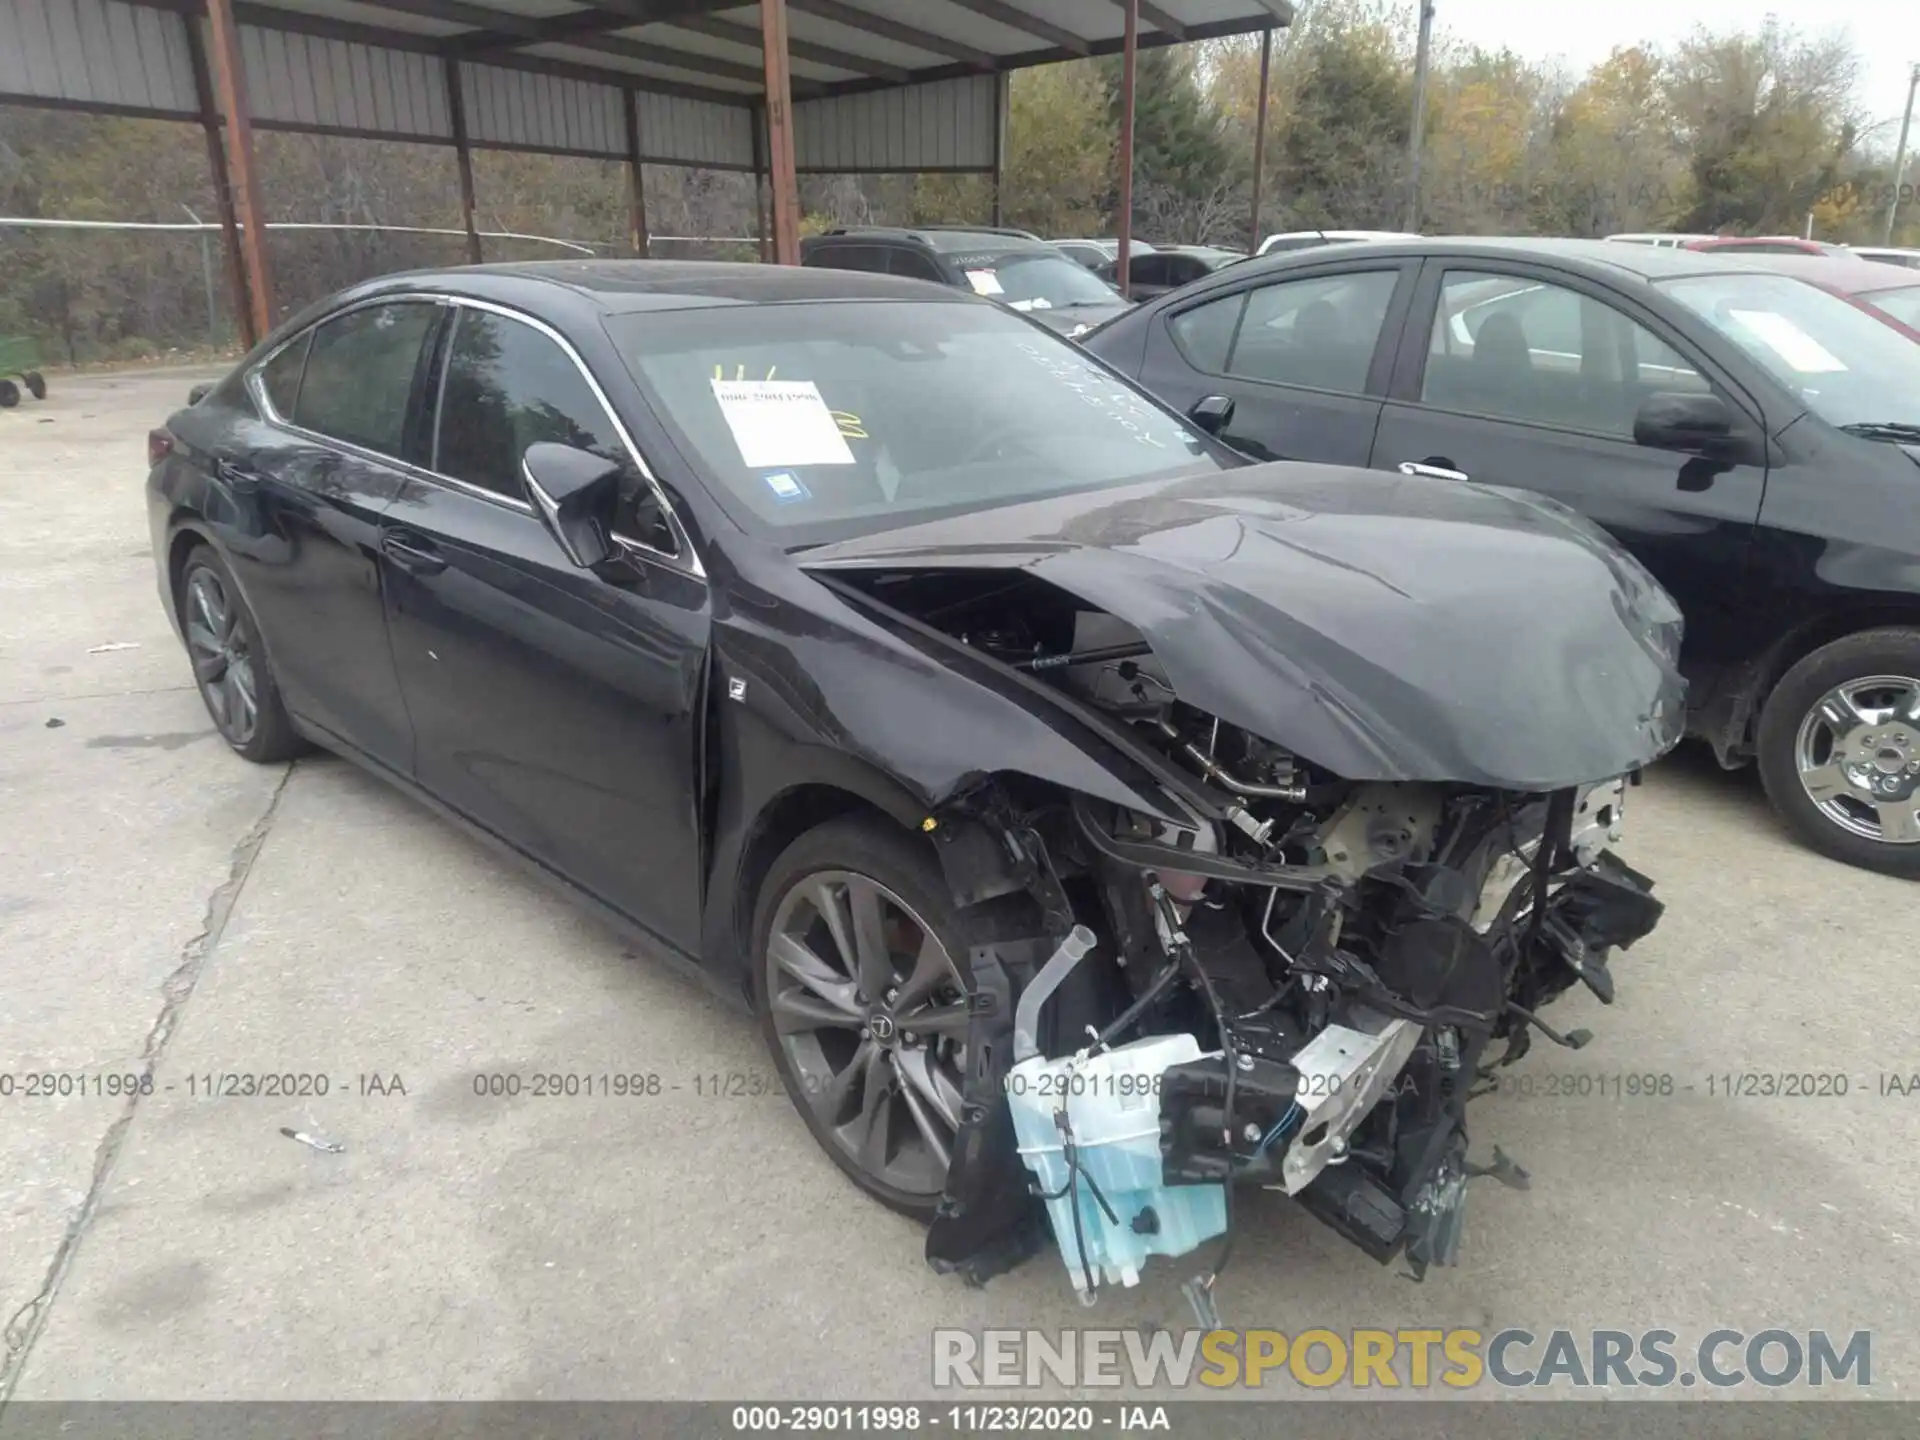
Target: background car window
(280,376)
(359,375)
(1522,349)
(872,258)
(1205,333)
(1902,304)
(1148,269)
(506,387)
(912,264)
(1319,332)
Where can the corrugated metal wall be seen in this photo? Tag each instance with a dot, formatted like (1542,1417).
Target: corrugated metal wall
(674,131)
(133,57)
(542,112)
(942,125)
(94,52)
(297,80)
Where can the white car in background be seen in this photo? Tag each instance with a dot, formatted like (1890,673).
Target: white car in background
(1307,239)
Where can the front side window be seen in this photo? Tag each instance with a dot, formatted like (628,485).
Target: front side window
(359,374)
(1845,365)
(820,421)
(507,386)
(280,376)
(1516,348)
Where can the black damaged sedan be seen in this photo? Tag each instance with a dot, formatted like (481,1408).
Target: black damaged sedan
(967,714)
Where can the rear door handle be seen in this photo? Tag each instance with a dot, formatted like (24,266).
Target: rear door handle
(237,478)
(410,553)
(1432,472)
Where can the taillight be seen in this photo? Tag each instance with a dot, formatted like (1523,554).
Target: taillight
(159,446)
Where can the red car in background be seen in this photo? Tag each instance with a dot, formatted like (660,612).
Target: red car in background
(1889,293)
(1765,245)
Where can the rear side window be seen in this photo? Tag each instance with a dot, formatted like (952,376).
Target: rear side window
(1319,332)
(871,258)
(280,376)
(507,386)
(912,264)
(359,375)
(1205,333)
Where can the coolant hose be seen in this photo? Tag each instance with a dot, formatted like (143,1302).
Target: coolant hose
(1026,1015)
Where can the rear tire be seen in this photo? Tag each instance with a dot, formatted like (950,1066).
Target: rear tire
(1839,750)
(867,1024)
(36,384)
(230,664)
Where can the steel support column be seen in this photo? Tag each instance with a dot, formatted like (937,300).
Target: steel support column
(780,161)
(759,138)
(463,157)
(1000,106)
(230,82)
(1260,135)
(637,235)
(222,186)
(1129,56)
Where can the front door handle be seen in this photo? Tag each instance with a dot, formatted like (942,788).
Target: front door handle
(410,553)
(1431,472)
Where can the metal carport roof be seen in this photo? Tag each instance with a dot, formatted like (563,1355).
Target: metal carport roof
(855,85)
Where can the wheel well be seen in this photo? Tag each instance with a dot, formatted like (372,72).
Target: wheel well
(780,822)
(1794,647)
(183,544)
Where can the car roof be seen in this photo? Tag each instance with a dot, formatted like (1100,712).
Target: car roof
(938,240)
(1649,262)
(1846,273)
(627,285)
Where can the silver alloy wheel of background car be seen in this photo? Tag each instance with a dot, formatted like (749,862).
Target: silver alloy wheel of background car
(1858,754)
(222,657)
(868,1009)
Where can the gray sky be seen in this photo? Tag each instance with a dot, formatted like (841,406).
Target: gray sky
(1886,33)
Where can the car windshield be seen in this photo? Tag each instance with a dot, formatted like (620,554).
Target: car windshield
(827,420)
(1903,303)
(1042,280)
(1847,366)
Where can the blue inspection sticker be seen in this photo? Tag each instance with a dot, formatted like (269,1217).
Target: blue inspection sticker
(785,485)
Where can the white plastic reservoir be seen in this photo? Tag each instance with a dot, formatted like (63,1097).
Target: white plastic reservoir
(1112,1102)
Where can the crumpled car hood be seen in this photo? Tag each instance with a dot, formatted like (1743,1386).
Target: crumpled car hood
(1386,627)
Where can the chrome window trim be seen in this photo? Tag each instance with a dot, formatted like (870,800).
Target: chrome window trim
(685,556)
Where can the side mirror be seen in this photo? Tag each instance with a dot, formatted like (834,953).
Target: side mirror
(575,493)
(1697,424)
(1212,413)
(199,392)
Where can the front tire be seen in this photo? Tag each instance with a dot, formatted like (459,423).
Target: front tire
(1839,750)
(861,1004)
(230,664)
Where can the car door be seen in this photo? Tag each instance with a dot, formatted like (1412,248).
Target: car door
(1532,377)
(1304,358)
(559,708)
(309,485)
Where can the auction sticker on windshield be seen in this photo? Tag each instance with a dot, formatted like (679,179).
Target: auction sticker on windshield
(781,423)
(985,282)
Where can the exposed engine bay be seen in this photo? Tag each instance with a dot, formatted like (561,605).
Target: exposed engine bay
(1291,980)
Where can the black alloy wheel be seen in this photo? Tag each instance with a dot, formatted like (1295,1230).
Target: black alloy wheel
(862,1005)
(230,666)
